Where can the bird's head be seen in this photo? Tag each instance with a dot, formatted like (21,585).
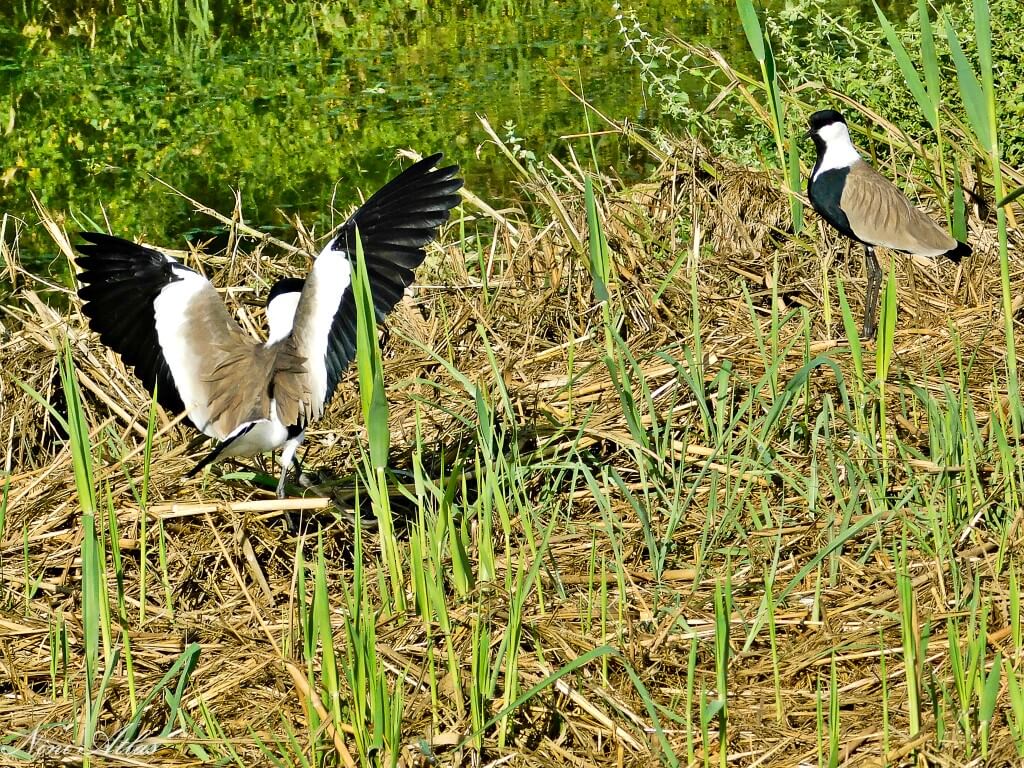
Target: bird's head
(827,127)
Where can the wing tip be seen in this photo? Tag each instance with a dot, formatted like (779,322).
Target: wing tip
(96,240)
(427,166)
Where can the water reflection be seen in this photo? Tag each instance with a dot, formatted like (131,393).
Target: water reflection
(299,106)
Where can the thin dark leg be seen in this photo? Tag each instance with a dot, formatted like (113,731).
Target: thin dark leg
(280,483)
(871,297)
(280,486)
(287,458)
(288,522)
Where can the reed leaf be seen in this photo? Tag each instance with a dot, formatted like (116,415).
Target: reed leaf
(886,328)
(971,92)
(600,257)
(1010,197)
(370,366)
(751,28)
(925,99)
(929,57)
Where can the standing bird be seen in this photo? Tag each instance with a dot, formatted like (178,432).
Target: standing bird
(868,208)
(167,320)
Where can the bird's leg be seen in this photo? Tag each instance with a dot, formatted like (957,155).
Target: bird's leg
(289,523)
(288,458)
(871,297)
(280,483)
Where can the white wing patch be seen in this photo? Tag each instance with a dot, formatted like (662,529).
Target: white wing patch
(172,312)
(327,283)
(281,315)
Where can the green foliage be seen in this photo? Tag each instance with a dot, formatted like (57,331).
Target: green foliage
(681,87)
(281,101)
(369,365)
(851,53)
(854,56)
(479,615)
(761,47)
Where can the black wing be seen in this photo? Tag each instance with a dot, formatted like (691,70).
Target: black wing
(394,226)
(120,281)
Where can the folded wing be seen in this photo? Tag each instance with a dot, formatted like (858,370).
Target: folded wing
(880,214)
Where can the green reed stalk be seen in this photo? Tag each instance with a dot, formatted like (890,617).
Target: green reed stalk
(723,613)
(93,580)
(928,96)
(375,416)
(761,47)
(147,463)
(1015,708)
(978,95)
(911,633)
(883,360)
(988,697)
(1016,630)
(323,631)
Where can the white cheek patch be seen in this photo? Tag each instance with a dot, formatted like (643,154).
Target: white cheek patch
(835,133)
(839,150)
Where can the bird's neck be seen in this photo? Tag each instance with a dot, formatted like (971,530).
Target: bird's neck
(835,154)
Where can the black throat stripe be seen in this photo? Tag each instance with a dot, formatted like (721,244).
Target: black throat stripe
(825,194)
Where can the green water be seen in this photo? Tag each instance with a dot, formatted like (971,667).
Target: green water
(296,104)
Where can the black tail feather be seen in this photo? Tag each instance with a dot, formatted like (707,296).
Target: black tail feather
(962,251)
(213,455)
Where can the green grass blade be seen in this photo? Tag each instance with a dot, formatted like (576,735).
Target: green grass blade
(795,182)
(852,334)
(600,257)
(983,39)
(1009,198)
(913,80)
(370,366)
(959,207)
(751,28)
(929,57)
(182,667)
(886,328)
(989,698)
(971,92)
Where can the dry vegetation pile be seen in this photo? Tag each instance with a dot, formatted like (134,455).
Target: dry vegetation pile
(699,229)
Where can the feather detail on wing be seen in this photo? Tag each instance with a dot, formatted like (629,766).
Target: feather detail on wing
(880,214)
(247,378)
(167,321)
(394,225)
(120,282)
